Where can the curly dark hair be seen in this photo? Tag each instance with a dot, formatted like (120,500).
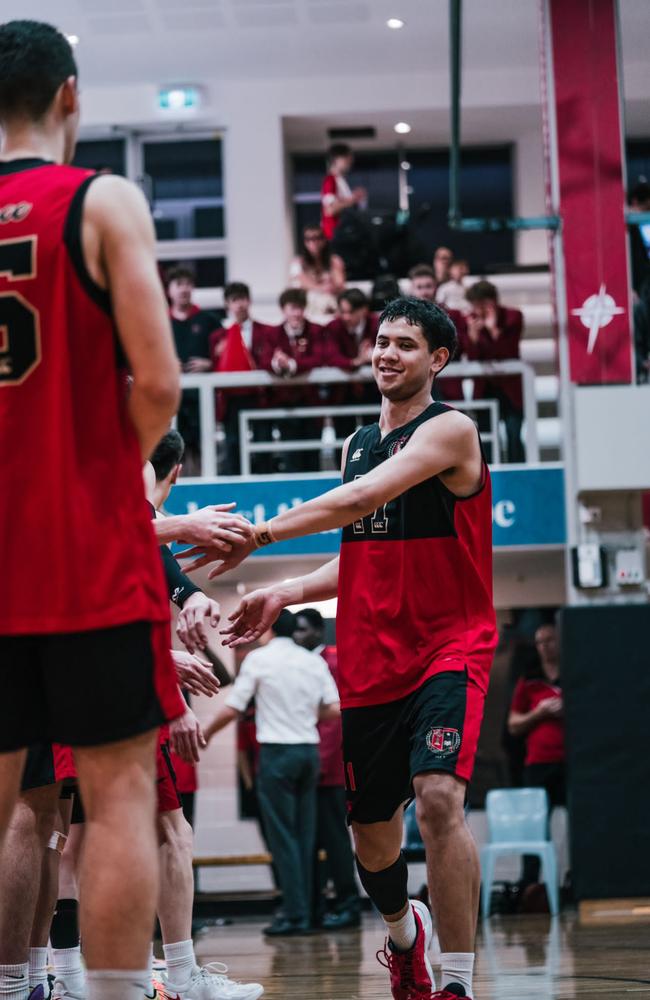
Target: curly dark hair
(436,326)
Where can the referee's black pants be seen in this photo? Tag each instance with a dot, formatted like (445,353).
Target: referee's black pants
(333,836)
(287,780)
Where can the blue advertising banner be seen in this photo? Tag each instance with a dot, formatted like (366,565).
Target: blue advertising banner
(527,505)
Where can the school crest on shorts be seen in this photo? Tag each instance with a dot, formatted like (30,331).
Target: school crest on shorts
(443,742)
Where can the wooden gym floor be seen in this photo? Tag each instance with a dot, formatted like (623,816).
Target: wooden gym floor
(518,958)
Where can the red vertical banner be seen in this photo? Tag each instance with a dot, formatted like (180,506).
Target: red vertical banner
(584,132)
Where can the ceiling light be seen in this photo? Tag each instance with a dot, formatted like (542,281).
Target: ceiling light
(402,128)
(395,23)
(73,39)
(405,165)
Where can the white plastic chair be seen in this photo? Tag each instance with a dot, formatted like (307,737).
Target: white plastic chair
(518,824)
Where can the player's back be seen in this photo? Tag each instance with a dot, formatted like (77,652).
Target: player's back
(76,545)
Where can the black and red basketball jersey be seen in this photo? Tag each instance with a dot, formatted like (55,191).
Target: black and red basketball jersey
(415,581)
(77,549)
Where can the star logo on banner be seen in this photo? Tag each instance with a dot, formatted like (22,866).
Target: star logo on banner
(595,313)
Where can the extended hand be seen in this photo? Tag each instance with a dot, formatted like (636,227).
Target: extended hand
(198,365)
(186,737)
(198,611)
(193,675)
(253,617)
(215,527)
(203,555)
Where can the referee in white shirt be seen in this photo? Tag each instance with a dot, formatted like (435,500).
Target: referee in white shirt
(293,690)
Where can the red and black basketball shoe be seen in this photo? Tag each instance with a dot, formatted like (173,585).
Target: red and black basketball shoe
(411,977)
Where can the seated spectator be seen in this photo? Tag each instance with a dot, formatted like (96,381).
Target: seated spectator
(423,286)
(192,328)
(442,260)
(451,294)
(297,344)
(385,288)
(319,271)
(350,338)
(493,334)
(240,345)
(537,715)
(336,194)
(295,348)
(423,282)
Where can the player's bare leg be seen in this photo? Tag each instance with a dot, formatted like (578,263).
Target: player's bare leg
(12,766)
(119,867)
(384,875)
(70,975)
(47,896)
(21,861)
(184,978)
(453,868)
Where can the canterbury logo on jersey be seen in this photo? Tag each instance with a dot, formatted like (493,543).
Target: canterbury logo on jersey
(357,455)
(15,213)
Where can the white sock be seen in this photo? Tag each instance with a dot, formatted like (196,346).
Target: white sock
(69,967)
(457,967)
(117,984)
(37,967)
(14,981)
(181,962)
(404,931)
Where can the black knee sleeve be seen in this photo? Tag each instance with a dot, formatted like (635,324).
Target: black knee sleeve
(387,889)
(64,932)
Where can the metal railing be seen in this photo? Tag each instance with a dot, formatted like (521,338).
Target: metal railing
(208,382)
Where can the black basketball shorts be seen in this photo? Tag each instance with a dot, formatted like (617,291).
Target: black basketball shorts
(435,728)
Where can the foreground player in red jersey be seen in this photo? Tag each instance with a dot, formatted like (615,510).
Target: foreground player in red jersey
(84,627)
(415,637)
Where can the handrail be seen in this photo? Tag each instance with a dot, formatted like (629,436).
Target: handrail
(207,382)
(455,218)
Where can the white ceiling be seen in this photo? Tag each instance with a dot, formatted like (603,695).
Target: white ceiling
(162,41)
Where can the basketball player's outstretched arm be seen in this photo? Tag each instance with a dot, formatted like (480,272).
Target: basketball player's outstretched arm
(119,251)
(259,609)
(449,444)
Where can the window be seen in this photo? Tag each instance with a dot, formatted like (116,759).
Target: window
(95,154)
(184,181)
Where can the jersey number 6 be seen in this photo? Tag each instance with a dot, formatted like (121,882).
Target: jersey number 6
(20,340)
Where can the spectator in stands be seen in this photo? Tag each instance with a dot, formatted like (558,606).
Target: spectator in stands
(452,294)
(639,201)
(442,260)
(296,347)
(241,345)
(423,286)
(192,328)
(332,833)
(336,194)
(350,338)
(493,334)
(423,282)
(297,343)
(319,271)
(537,714)
(385,288)
(292,688)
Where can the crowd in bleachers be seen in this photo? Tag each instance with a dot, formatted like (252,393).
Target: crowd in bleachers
(344,338)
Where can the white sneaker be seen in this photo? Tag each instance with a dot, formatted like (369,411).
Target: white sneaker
(60,991)
(212,983)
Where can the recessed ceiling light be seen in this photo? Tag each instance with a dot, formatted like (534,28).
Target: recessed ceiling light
(395,23)
(402,128)
(73,39)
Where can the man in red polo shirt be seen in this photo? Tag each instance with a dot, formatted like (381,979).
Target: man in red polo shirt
(493,334)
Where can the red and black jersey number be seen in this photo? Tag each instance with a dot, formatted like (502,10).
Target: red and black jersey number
(20,338)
